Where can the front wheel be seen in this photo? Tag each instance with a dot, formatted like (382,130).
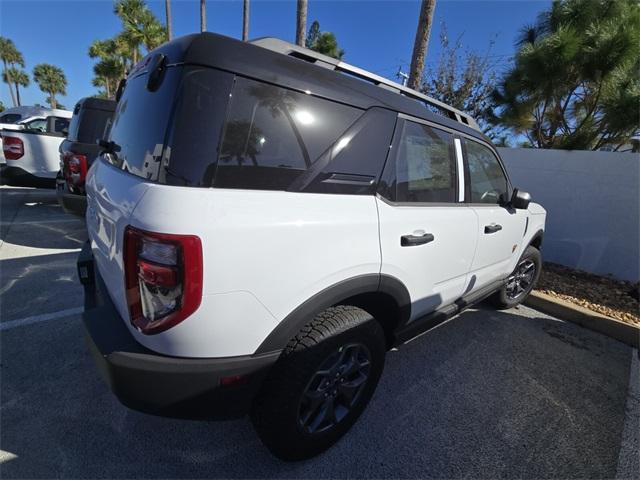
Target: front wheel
(321,384)
(522,281)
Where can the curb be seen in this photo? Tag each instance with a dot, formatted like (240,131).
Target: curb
(584,317)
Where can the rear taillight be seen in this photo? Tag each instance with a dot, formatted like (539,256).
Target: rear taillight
(74,167)
(163,277)
(12,147)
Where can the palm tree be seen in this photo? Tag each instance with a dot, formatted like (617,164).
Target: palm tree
(421,43)
(301,22)
(10,56)
(113,49)
(141,27)
(108,73)
(51,80)
(153,35)
(167,10)
(131,13)
(245,20)
(18,77)
(203,15)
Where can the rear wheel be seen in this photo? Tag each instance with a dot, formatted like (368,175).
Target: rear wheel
(521,281)
(321,384)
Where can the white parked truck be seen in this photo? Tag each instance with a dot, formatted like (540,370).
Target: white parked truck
(30,148)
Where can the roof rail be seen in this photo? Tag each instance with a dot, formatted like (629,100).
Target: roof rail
(286,48)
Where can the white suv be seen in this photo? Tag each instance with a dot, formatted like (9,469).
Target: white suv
(264,227)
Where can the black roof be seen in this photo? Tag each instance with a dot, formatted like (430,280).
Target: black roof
(97,103)
(252,61)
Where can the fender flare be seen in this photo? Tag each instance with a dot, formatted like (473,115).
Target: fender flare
(537,237)
(333,295)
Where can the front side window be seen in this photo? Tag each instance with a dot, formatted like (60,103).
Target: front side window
(425,165)
(487,179)
(39,124)
(272,135)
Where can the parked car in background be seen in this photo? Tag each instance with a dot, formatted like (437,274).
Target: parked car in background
(17,118)
(31,153)
(263,227)
(90,123)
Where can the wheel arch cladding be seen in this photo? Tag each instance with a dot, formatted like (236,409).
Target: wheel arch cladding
(384,297)
(536,240)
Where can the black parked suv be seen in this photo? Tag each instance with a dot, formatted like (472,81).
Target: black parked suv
(91,121)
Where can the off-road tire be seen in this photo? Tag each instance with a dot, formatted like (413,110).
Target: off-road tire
(276,409)
(501,299)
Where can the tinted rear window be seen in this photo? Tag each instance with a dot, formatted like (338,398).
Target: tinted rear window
(10,118)
(140,124)
(89,125)
(206,128)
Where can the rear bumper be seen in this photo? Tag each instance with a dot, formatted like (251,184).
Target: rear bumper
(73,203)
(18,177)
(157,384)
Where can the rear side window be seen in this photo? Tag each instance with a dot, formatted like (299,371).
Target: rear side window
(487,179)
(273,135)
(425,165)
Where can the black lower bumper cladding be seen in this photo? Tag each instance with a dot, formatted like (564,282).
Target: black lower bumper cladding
(158,384)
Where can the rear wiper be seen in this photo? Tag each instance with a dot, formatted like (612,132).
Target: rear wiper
(109,146)
(177,175)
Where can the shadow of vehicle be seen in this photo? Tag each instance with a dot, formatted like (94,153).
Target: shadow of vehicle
(486,394)
(33,218)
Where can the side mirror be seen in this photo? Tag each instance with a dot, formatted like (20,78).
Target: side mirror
(520,199)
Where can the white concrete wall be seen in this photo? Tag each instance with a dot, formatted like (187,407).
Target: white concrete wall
(592,201)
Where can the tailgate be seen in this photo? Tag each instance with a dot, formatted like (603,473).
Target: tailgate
(40,155)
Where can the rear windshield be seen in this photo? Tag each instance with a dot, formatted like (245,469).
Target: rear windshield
(208,128)
(89,124)
(140,123)
(10,118)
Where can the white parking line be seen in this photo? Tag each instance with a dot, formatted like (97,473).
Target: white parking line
(39,318)
(629,456)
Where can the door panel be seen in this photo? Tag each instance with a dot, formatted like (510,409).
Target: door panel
(500,228)
(433,272)
(496,247)
(427,236)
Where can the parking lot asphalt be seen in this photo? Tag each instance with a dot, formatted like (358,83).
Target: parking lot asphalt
(488,394)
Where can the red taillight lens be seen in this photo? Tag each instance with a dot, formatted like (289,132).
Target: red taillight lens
(163,277)
(74,167)
(12,147)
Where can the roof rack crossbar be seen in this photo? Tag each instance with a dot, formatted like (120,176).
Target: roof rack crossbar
(280,46)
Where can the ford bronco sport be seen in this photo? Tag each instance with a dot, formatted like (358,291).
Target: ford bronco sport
(92,117)
(266,222)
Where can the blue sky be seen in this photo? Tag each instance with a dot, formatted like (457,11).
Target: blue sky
(376,35)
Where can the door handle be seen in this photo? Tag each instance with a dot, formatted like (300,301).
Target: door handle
(413,240)
(493,228)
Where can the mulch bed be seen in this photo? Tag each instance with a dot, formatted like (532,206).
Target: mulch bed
(610,297)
